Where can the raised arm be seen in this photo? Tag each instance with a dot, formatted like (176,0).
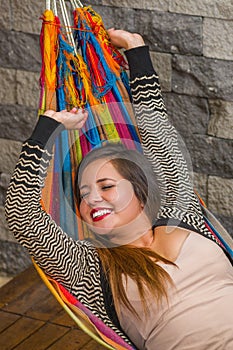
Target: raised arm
(179,204)
(56,253)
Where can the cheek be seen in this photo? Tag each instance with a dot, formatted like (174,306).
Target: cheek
(124,195)
(110,196)
(84,209)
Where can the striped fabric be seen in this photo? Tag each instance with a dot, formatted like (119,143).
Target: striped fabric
(178,200)
(75,264)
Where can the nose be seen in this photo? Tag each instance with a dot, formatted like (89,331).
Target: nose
(94,197)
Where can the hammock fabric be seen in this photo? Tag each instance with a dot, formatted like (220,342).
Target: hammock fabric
(94,77)
(85,320)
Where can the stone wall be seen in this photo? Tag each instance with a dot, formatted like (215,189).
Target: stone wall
(191,43)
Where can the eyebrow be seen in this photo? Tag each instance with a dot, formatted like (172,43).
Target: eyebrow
(98,181)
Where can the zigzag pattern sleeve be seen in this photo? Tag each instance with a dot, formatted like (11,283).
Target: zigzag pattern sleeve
(56,253)
(160,145)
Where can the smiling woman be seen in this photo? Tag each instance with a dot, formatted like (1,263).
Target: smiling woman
(117,193)
(153,272)
(108,201)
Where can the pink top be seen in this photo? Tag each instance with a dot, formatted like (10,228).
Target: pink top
(200,311)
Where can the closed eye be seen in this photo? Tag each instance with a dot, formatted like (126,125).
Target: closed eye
(84,195)
(107,187)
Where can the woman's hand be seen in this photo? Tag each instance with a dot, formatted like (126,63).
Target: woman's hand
(75,119)
(126,40)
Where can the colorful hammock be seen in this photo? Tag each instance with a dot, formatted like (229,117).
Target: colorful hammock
(85,320)
(80,68)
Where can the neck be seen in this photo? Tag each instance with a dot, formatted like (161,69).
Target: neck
(137,233)
(144,241)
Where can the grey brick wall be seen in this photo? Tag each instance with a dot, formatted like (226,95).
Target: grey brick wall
(191,43)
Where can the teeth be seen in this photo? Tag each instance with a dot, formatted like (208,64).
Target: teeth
(100,213)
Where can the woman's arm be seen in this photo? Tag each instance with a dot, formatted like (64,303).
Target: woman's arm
(179,204)
(56,253)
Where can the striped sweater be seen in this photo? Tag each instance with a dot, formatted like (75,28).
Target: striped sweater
(75,264)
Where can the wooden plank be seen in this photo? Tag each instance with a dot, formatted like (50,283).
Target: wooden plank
(93,345)
(26,305)
(7,319)
(36,302)
(43,338)
(73,340)
(33,299)
(46,308)
(18,331)
(17,286)
(27,299)
(64,319)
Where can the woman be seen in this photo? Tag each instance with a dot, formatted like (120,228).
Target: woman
(151,274)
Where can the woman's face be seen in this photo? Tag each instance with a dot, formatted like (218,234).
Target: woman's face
(108,202)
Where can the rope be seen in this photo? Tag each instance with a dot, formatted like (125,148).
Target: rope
(76,4)
(55,7)
(67,25)
(47,5)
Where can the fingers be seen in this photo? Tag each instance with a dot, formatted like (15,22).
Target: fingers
(76,110)
(117,37)
(74,119)
(110,30)
(81,123)
(124,39)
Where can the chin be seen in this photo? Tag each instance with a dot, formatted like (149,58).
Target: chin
(100,230)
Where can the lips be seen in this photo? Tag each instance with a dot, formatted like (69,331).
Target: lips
(98,214)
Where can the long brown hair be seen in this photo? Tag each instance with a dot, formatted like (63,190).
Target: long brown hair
(139,264)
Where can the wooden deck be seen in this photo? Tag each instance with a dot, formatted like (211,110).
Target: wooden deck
(31,318)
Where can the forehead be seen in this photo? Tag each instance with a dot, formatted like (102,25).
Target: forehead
(99,169)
